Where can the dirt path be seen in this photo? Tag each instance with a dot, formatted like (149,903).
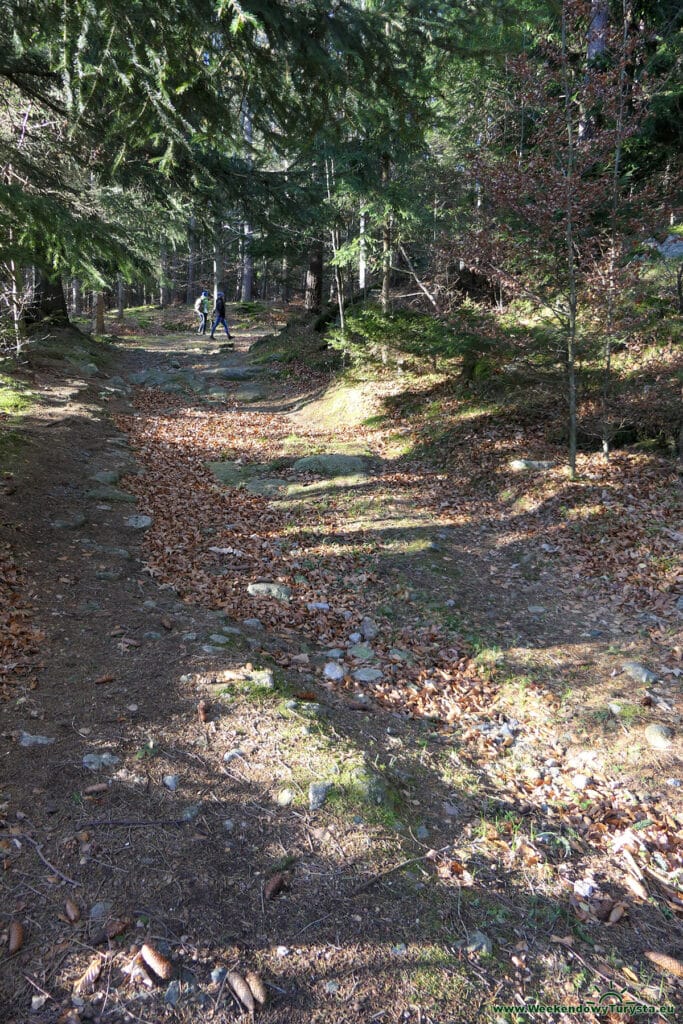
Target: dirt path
(420,889)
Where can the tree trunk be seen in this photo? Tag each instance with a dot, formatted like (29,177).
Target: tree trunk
(314,279)
(76,303)
(284,280)
(99,313)
(191,257)
(386,242)
(48,300)
(362,254)
(247,265)
(217,259)
(120,297)
(570,186)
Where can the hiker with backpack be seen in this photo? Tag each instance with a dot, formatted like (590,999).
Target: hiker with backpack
(201,307)
(219,316)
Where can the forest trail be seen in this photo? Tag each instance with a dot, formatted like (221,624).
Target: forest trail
(236,672)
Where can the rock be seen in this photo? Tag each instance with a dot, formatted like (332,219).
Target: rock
(152,634)
(108,575)
(248,395)
(26,739)
(355,638)
(659,736)
(97,761)
(334,671)
(580,781)
(100,911)
(252,623)
(331,465)
(318,606)
(400,949)
(139,522)
(367,675)
(285,797)
(400,655)
(317,794)
(219,638)
(106,476)
(212,649)
(639,673)
(536,609)
(478,942)
(262,677)
(422,832)
(362,652)
(232,755)
(335,652)
(518,465)
(371,787)
(277,590)
(171,782)
(237,373)
(106,493)
(369,629)
(73,522)
(191,812)
(173,993)
(228,824)
(266,487)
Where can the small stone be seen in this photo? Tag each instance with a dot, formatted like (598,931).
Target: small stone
(212,649)
(73,522)
(331,987)
(97,761)
(106,476)
(149,605)
(218,973)
(659,736)
(518,465)
(101,910)
(355,638)
(108,575)
(580,781)
(285,797)
(252,623)
(317,794)
(282,950)
(228,824)
(334,671)
(639,673)
(368,628)
(172,993)
(219,638)
(191,812)
(232,755)
(362,652)
(262,677)
(139,522)
(318,606)
(400,949)
(151,634)
(450,603)
(422,832)
(584,887)
(26,739)
(171,782)
(189,637)
(532,774)
(335,652)
(367,675)
(536,609)
(277,590)
(478,942)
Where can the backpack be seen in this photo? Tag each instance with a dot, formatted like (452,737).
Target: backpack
(199,304)
(220,306)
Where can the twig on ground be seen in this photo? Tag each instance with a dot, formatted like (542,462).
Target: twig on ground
(130,823)
(39,850)
(397,867)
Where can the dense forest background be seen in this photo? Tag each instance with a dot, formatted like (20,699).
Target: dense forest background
(378,158)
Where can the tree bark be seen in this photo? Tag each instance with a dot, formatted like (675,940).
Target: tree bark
(191,257)
(314,279)
(120,297)
(99,313)
(386,242)
(76,302)
(48,300)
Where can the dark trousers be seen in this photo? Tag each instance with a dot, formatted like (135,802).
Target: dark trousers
(217,321)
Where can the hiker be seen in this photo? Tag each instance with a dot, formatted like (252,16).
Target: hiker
(219,316)
(201,307)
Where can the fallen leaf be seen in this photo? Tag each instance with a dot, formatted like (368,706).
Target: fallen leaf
(86,983)
(16,937)
(274,886)
(108,678)
(73,911)
(666,963)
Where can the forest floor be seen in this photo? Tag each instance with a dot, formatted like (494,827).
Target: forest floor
(408,749)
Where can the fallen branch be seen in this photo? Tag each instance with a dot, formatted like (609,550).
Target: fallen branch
(131,823)
(39,850)
(430,855)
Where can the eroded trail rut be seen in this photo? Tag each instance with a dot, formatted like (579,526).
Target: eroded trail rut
(216,759)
